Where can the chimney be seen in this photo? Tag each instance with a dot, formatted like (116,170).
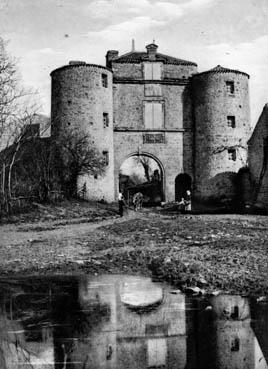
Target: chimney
(151,51)
(110,56)
(133,45)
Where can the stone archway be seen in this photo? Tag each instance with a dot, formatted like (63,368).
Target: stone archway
(142,172)
(183,182)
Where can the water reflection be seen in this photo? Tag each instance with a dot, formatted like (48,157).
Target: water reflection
(126,322)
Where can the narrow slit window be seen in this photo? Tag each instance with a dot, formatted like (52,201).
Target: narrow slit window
(235,312)
(105,157)
(235,344)
(105,120)
(232,154)
(230,87)
(104,80)
(231,121)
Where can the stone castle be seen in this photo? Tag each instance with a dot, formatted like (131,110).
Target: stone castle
(194,125)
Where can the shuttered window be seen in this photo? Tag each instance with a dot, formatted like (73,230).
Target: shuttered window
(152,71)
(153,115)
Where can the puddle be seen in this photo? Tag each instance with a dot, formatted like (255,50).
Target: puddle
(120,322)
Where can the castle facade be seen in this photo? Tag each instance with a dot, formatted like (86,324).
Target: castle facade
(195,126)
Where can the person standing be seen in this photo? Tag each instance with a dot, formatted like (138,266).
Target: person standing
(121,203)
(188,201)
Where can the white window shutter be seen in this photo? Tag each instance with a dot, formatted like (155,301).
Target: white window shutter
(156,70)
(148,115)
(148,70)
(157,115)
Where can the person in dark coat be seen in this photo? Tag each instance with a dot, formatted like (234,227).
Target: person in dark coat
(121,203)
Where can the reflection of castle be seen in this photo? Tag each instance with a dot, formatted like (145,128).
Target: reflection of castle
(224,338)
(151,339)
(125,322)
(194,125)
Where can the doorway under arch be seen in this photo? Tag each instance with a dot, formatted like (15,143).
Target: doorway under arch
(141,172)
(183,182)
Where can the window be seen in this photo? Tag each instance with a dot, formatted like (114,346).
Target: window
(153,115)
(152,70)
(230,87)
(105,157)
(231,121)
(235,344)
(104,80)
(235,312)
(232,154)
(105,120)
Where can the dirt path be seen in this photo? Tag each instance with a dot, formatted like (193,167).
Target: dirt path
(228,252)
(12,234)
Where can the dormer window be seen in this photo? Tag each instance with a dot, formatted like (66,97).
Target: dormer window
(152,71)
(230,87)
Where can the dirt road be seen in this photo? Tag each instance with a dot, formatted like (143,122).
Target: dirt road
(223,252)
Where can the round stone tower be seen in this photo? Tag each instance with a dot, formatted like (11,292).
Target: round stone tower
(82,98)
(222,128)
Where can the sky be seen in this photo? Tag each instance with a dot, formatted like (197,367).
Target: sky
(46,34)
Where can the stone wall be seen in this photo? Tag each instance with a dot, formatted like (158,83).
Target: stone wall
(79,101)
(128,106)
(175,155)
(168,71)
(256,156)
(214,171)
(168,155)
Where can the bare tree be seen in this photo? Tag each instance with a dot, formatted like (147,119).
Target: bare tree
(77,155)
(16,109)
(145,162)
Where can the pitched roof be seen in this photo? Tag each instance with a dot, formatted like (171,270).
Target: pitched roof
(136,57)
(261,124)
(220,69)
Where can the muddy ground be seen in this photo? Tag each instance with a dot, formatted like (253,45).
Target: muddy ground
(214,252)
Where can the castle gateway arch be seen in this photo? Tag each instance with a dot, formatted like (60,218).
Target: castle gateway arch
(142,172)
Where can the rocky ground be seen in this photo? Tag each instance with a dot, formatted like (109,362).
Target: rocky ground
(211,252)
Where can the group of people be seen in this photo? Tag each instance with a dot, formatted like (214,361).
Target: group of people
(185,203)
(137,202)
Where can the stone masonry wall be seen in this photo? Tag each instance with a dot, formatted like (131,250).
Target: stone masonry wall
(256,151)
(214,171)
(169,154)
(79,101)
(128,106)
(176,154)
(169,71)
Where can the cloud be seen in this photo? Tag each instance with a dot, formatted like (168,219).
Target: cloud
(48,51)
(158,10)
(142,16)
(125,30)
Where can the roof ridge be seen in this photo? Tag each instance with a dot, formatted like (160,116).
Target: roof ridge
(140,56)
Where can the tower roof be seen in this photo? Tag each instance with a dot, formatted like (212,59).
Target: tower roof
(220,69)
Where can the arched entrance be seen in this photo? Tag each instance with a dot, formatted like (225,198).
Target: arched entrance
(142,173)
(183,182)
